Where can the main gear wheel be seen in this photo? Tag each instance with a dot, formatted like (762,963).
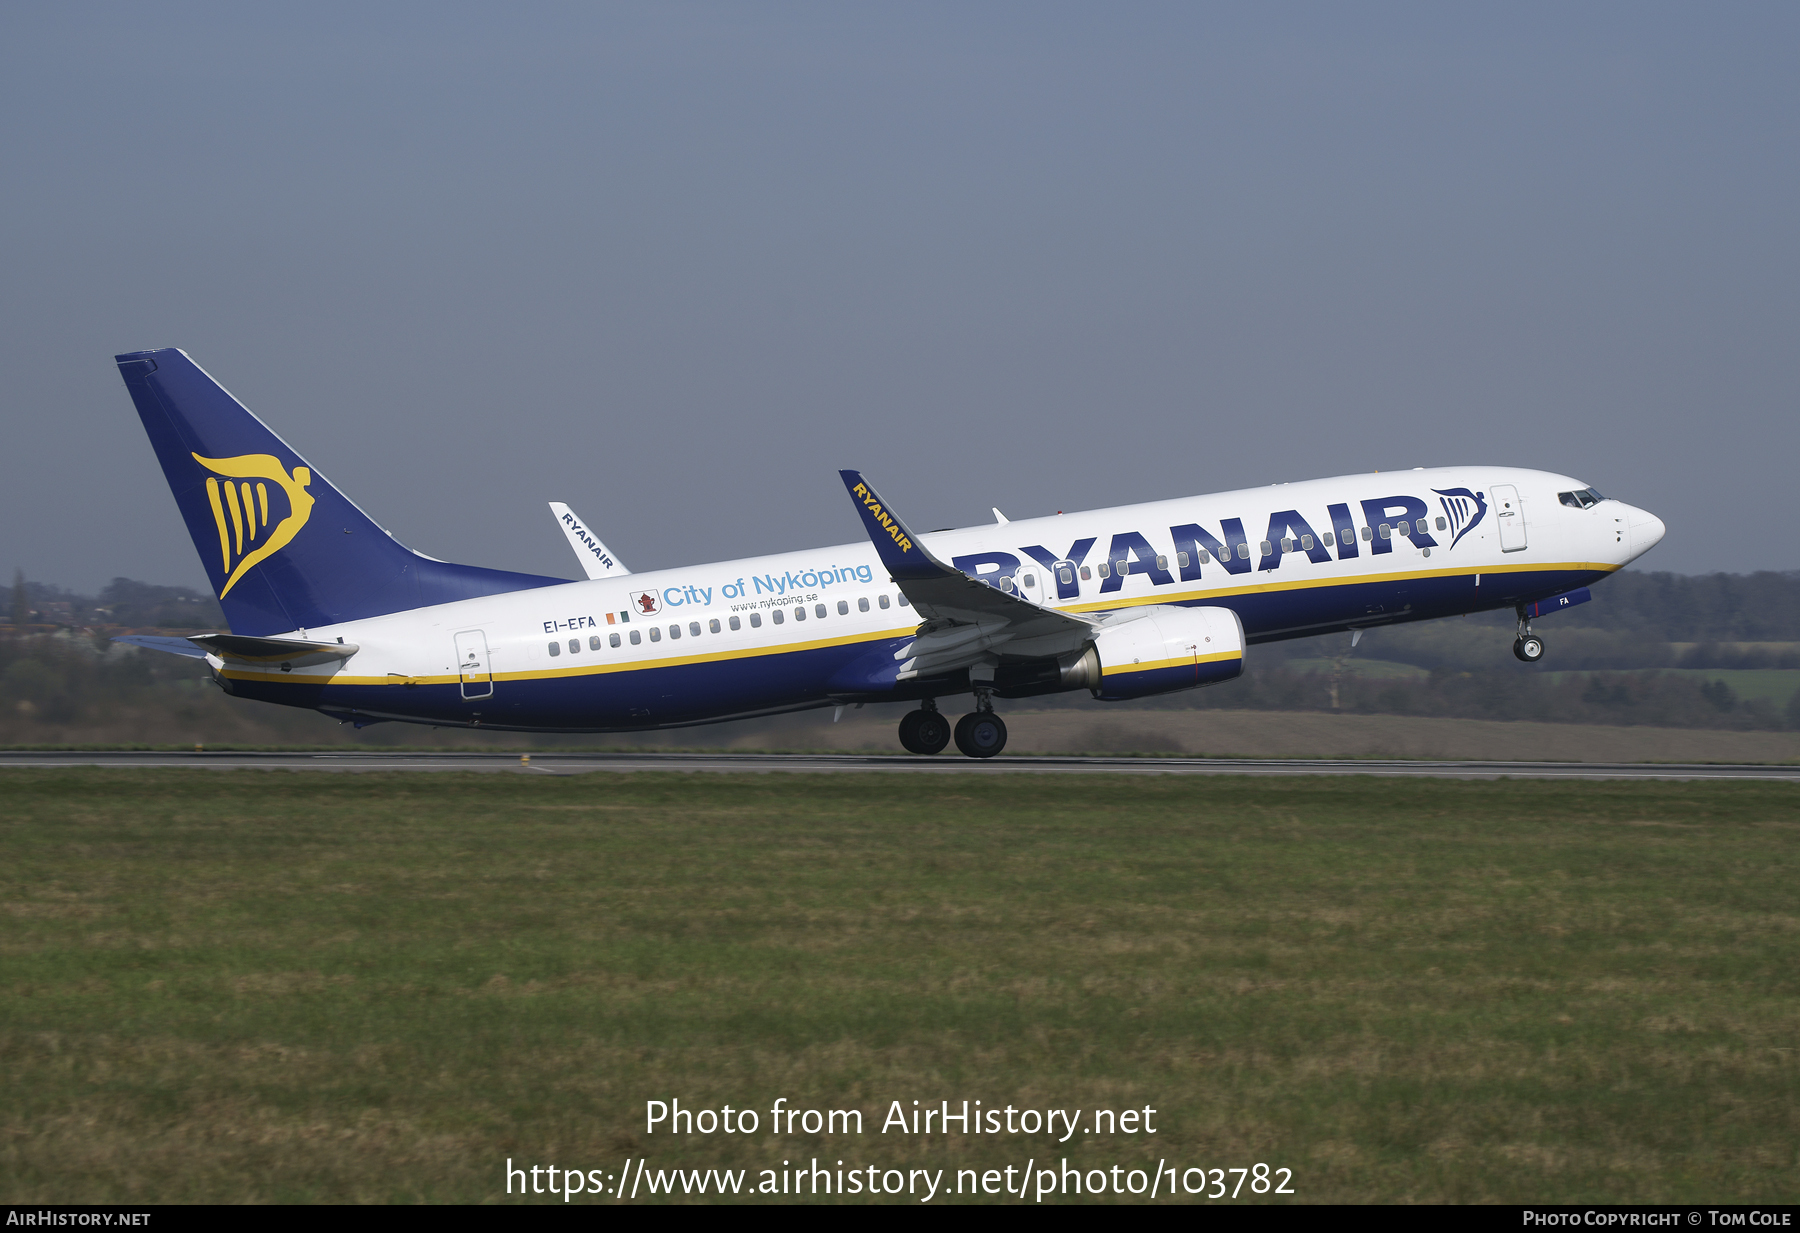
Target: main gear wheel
(924,732)
(981,734)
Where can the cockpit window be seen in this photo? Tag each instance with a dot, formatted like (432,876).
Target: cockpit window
(1584,498)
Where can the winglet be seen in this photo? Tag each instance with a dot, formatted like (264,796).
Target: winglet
(900,550)
(597,560)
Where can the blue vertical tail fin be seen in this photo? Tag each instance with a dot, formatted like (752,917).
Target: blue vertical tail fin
(283,548)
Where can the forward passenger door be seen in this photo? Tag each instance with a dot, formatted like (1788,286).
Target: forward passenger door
(1510,515)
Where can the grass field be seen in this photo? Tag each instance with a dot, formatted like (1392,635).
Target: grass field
(227,986)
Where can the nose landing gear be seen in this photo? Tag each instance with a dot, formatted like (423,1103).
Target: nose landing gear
(1528,647)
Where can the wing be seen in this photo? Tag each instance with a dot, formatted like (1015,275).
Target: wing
(967,622)
(596,558)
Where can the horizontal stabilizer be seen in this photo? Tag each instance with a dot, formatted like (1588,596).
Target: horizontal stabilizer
(169,646)
(291,652)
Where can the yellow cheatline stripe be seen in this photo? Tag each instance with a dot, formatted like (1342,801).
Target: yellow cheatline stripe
(218,509)
(755,652)
(1139,601)
(1180,661)
(584,669)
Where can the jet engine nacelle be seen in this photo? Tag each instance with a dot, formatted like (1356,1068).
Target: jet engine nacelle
(1158,651)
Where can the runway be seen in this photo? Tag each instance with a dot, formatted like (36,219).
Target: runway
(740,763)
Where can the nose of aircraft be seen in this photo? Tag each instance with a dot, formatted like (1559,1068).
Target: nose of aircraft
(1647,530)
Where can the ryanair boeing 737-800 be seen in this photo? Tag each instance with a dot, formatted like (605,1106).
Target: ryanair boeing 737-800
(329,611)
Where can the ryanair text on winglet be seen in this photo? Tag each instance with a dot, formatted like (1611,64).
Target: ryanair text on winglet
(888,524)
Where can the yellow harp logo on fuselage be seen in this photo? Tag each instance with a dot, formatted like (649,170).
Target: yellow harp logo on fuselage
(238,491)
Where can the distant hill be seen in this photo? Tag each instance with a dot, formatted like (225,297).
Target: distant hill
(123,601)
(1607,664)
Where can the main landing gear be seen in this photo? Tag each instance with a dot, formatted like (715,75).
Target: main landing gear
(1528,647)
(979,734)
(924,731)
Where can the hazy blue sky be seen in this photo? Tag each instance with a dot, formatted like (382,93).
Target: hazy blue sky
(677,264)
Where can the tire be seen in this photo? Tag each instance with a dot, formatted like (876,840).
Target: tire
(924,732)
(981,734)
(1530,648)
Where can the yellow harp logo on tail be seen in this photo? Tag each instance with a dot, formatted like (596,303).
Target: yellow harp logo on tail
(239,496)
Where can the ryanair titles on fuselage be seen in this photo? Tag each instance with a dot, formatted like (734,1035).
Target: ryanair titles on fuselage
(1195,549)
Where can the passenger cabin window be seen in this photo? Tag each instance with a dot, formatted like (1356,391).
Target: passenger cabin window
(574,646)
(1105,570)
(1244,552)
(694,628)
(756,620)
(775,616)
(1086,573)
(555,649)
(905,602)
(1330,540)
(800,613)
(674,631)
(1287,545)
(655,634)
(819,611)
(594,642)
(635,639)
(1367,534)
(881,601)
(1386,531)
(613,640)
(1064,576)
(736,624)
(862,603)
(1203,557)
(1441,524)
(713,625)
(1162,562)
(1405,528)
(1306,543)
(1006,585)
(1030,580)
(843,607)
(1265,547)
